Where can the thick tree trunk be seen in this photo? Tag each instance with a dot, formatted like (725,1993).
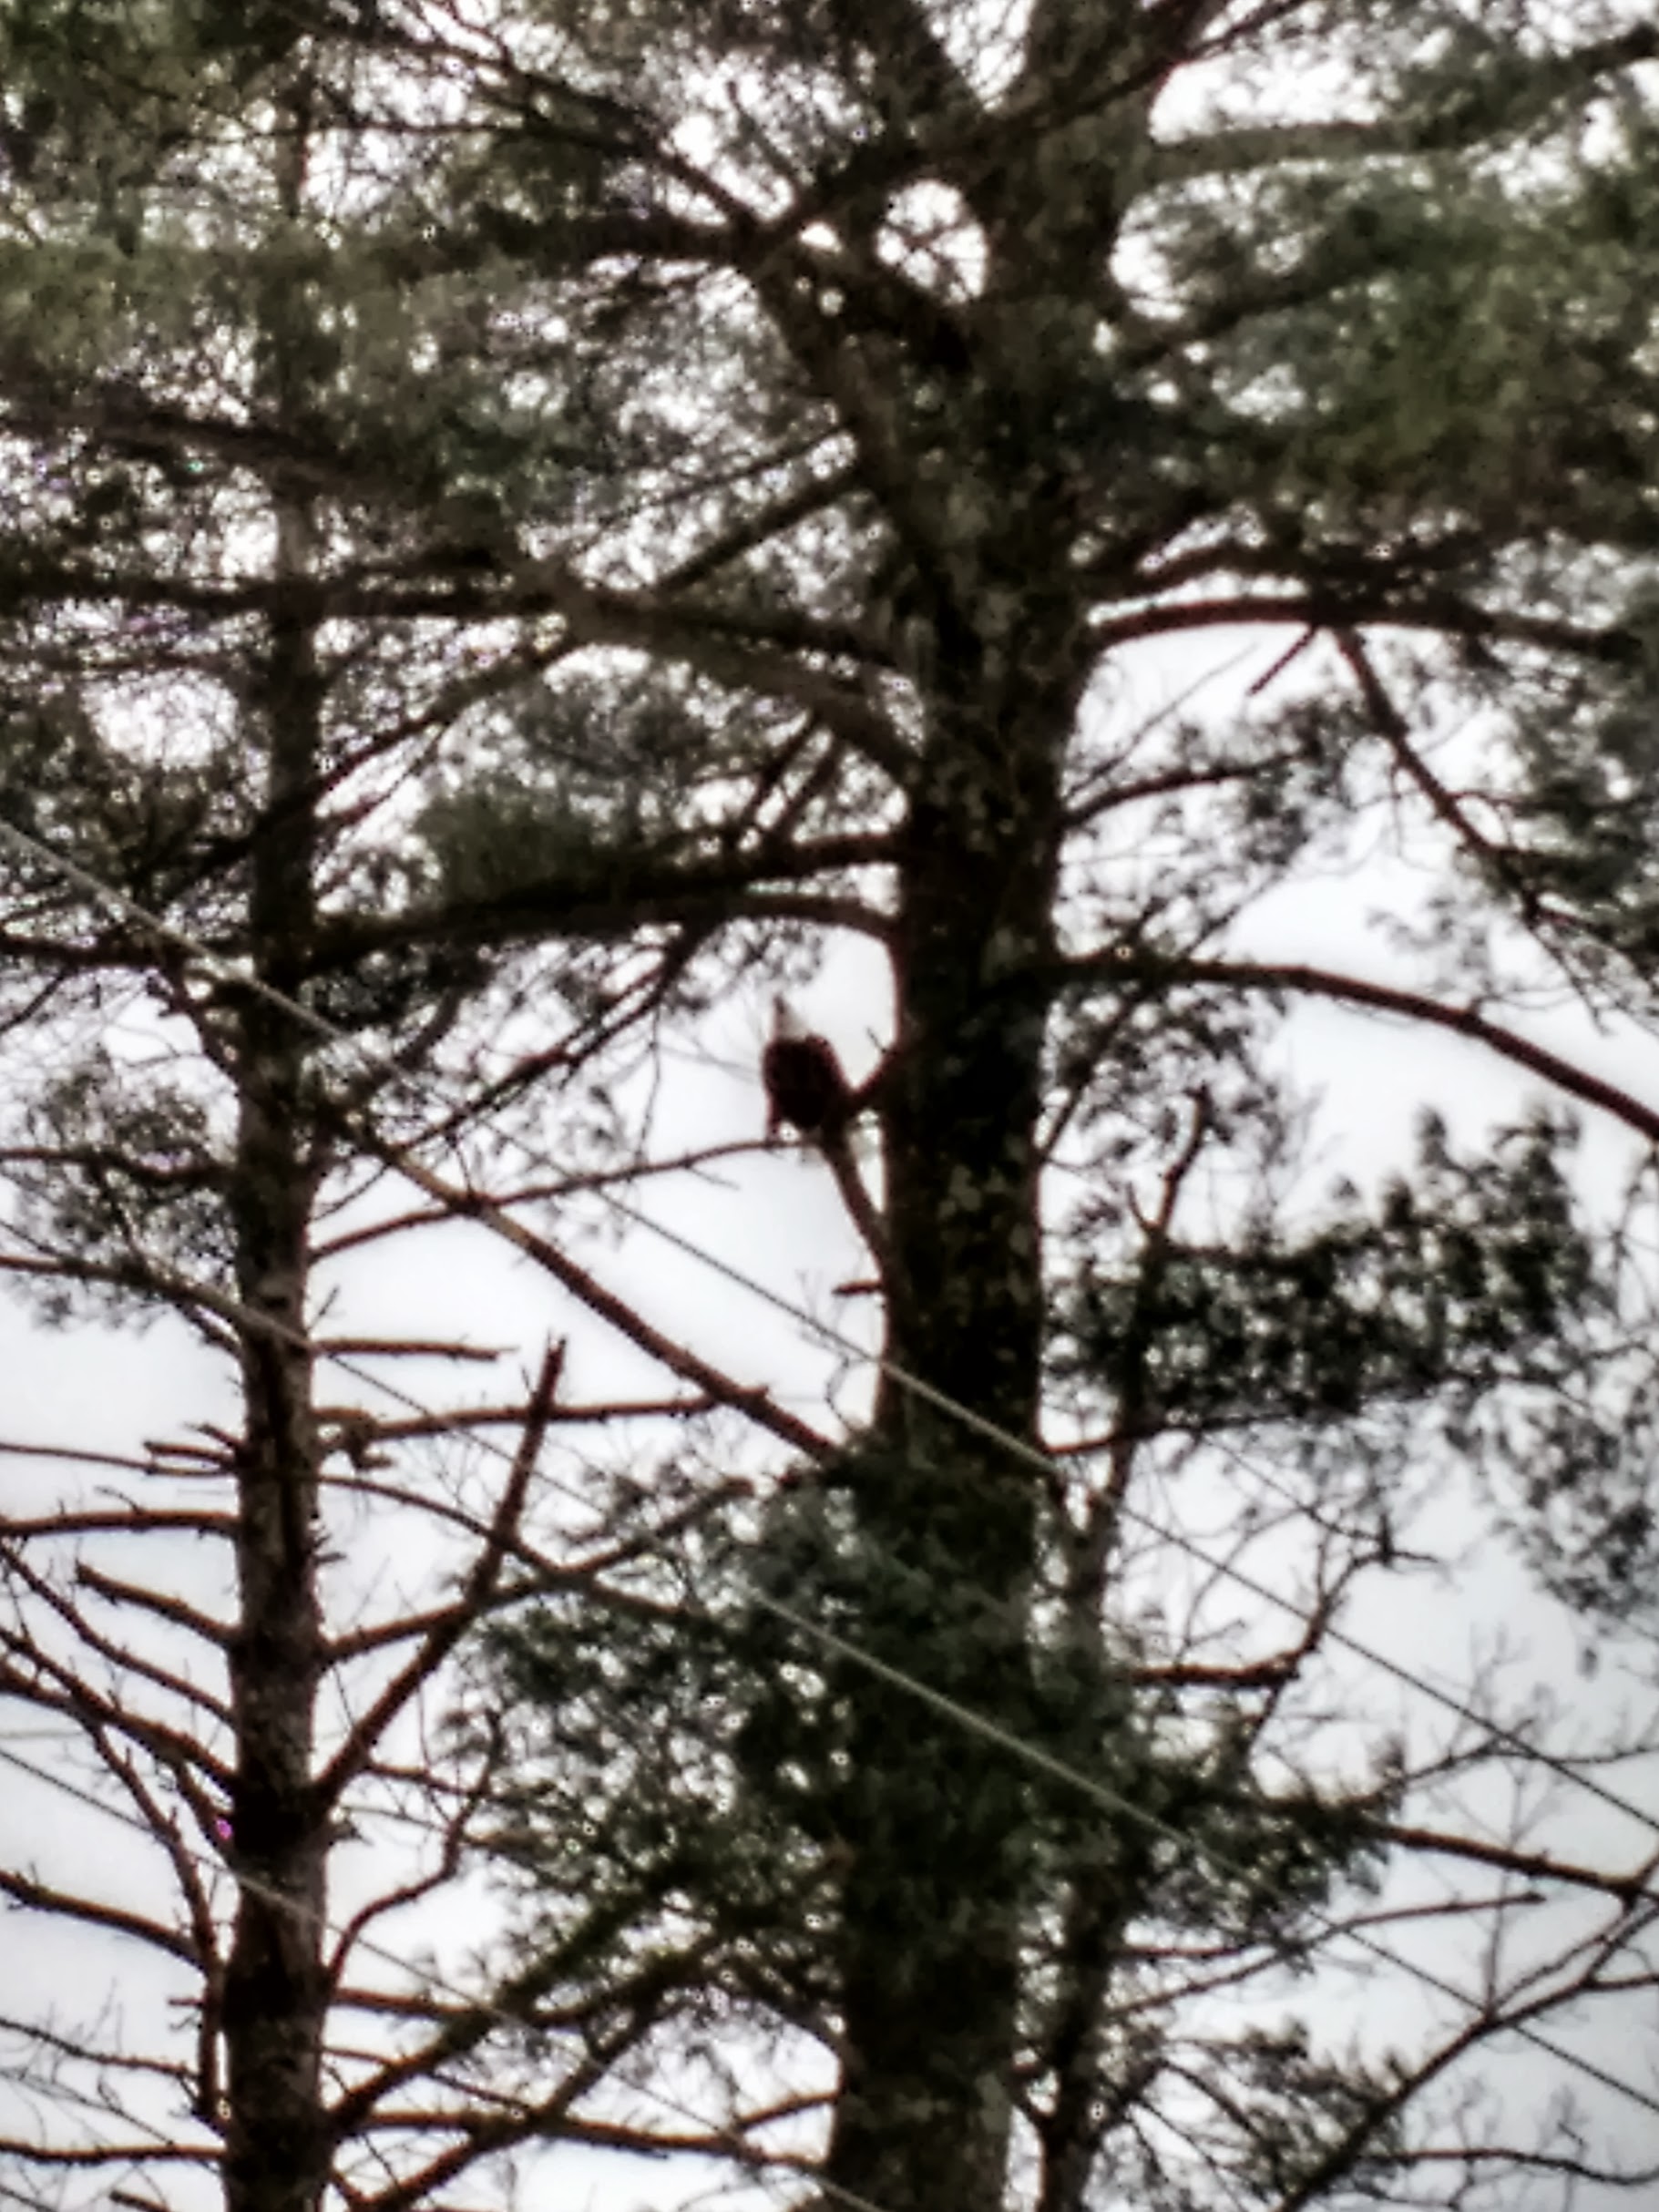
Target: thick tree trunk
(277,2152)
(935,1826)
(277,2148)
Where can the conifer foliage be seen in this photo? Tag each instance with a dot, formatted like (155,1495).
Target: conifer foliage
(525,528)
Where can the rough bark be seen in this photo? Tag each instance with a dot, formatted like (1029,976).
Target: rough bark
(931,1908)
(277,2150)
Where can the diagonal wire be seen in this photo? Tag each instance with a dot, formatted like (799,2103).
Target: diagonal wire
(495,1217)
(1018,1447)
(758,2162)
(1007,1741)
(974,1722)
(1043,1761)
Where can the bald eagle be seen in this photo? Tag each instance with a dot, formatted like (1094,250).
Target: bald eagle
(806,1087)
(807,1091)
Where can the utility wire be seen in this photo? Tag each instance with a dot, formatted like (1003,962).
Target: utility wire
(1044,1762)
(964,1717)
(1009,1742)
(494,1218)
(759,2161)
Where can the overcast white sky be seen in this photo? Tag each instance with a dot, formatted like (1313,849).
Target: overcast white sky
(776,1217)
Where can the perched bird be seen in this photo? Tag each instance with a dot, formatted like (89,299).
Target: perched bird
(806,1087)
(806,1090)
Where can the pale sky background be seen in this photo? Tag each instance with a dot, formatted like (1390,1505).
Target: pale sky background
(776,1216)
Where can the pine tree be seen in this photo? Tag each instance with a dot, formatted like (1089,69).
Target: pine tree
(521,529)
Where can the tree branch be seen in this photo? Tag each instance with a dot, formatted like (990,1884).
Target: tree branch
(1130,963)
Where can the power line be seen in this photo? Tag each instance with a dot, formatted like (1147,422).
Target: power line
(963,1715)
(495,1218)
(759,2161)
(1055,1769)
(1007,1741)
(1492,1732)
(974,1723)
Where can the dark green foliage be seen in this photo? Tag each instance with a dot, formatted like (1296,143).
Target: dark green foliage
(1475,1274)
(692,1768)
(141,818)
(649,1781)
(131,1182)
(1587,1516)
(522,532)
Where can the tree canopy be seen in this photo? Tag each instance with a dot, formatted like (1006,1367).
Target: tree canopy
(525,531)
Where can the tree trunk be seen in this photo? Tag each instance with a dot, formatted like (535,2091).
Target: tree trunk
(277,2153)
(930,1932)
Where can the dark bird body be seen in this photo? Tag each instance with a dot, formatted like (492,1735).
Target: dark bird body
(807,1091)
(806,1087)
